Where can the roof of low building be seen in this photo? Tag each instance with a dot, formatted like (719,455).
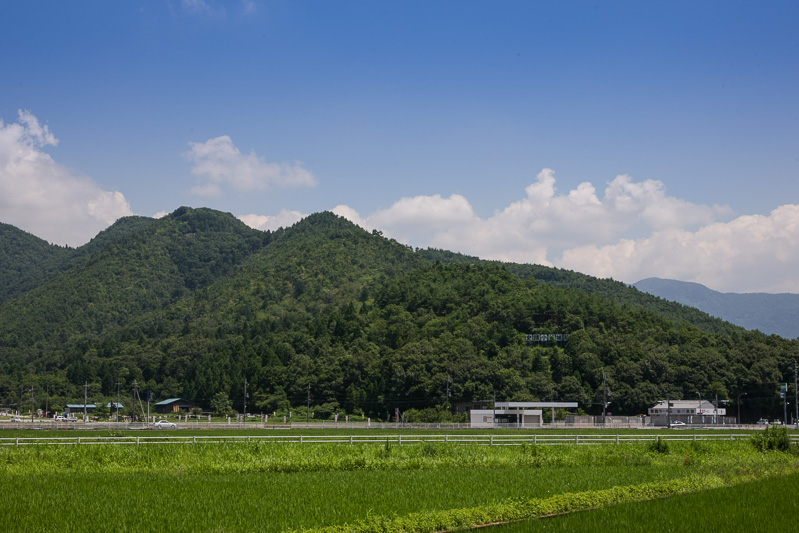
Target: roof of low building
(172,400)
(534,405)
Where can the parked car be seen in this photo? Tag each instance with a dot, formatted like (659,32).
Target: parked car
(678,424)
(762,422)
(165,424)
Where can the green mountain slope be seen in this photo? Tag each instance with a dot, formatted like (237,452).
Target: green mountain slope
(196,303)
(26,261)
(615,291)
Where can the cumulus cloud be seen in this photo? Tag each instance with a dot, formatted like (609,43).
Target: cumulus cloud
(217,162)
(632,230)
(270,223)
(45,198)
(751,253)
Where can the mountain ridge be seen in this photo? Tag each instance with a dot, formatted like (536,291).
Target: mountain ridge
(195,303)
(770,313)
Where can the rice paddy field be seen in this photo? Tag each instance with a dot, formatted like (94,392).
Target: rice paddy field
(427,486)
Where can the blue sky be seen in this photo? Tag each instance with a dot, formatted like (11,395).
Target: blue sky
(620,139)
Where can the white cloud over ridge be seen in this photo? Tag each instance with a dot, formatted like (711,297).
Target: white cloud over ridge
(633,231)
(45,198)
(284,219)
(218,162)
(627,230)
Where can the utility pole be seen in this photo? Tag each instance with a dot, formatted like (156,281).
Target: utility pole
(136,396)
(448,382)
(699,410)
(739,406)
(118,384)
(494,419)
(244,416)
(47,401)
(32,389)
(85,398)
(795,393)
(308,411)
(604,398)
(668,411)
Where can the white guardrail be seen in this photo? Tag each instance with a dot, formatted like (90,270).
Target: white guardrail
(484,440)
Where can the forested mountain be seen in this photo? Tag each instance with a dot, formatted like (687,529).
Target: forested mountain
(195,303)
(769,313)
(615,291)
(26,261)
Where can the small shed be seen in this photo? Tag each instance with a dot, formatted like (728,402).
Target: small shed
(173,405)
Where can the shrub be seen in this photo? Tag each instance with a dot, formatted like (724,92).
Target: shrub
(772,438)
(659,446)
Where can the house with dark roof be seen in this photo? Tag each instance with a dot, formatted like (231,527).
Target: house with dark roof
(173,405)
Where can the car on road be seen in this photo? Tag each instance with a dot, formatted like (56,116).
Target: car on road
(165,424)
(678,424)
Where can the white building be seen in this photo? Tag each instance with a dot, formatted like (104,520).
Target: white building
(691,412)
(515,414)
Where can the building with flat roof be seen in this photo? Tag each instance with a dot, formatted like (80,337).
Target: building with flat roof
(515,414)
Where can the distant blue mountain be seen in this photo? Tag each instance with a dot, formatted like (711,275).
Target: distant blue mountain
(769,313)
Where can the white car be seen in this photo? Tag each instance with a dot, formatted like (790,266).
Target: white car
(165,424)
(678,424)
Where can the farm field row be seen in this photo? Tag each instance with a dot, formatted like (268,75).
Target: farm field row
(761,506)
(278,487)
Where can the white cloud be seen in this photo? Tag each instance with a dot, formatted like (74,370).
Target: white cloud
(45,198)
(199,7)
(218,162)
(270,223)
(634,230)
(249,7)
(752,253)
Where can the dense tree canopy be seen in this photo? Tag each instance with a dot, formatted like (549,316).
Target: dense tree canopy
(194,304)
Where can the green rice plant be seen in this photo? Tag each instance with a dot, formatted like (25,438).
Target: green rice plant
(766,505)
(271,486)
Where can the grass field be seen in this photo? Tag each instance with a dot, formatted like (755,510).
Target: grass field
(277,487)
